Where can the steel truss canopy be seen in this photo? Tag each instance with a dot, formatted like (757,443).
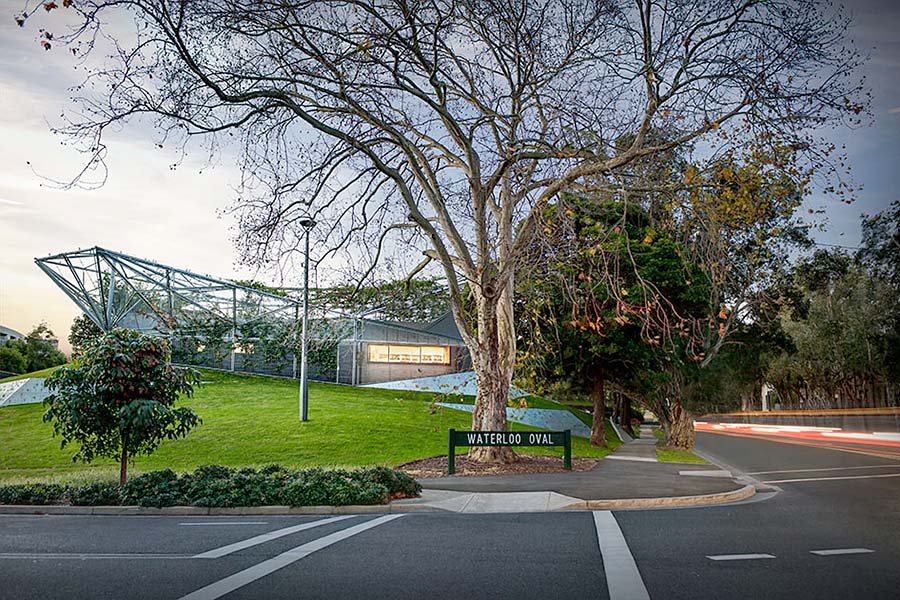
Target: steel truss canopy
(221,324)
(117,290)
(197,311)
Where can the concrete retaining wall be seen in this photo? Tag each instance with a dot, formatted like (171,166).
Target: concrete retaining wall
(23,391)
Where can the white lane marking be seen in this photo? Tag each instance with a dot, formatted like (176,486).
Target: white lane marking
(82,556)
(267,537)
(825,469)
(739,556)
(832,478)
(634,458)
(622,576)
(251,574)
(224,523)
(838,551)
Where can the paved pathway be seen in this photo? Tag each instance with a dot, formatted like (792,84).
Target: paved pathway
(610,479)
(642,449)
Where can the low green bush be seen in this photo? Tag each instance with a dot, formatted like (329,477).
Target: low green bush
(318,487)
(156,488)
(218,486)
(32,493)
(398,483)
(99,493)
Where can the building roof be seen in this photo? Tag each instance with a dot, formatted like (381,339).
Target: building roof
(445,326)
(7,334)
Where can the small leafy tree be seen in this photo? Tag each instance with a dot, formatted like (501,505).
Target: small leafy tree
(119,400)
(40,349)
(12,357)
(82,333)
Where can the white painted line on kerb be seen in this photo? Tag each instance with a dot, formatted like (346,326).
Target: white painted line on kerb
(622,576)
(825,469)
(739,556)
(634,458)
(832,478)
(249,575)
(224,523)
(838,551)
(267,537)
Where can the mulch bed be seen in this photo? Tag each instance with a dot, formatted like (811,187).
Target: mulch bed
(436,466)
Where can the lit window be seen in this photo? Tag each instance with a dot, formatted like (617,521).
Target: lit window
(433,355)
(378,353)
(436,355)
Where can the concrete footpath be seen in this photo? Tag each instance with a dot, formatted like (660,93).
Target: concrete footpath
(630,477)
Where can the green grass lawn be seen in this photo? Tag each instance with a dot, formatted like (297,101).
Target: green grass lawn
(674,455)
(668,454)
(42,373)
(253,421)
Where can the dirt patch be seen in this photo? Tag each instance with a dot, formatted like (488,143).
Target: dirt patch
(436,466)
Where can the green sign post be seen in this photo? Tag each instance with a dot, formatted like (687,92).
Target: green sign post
(509,438)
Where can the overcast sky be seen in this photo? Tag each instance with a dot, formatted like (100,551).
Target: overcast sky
(148,210)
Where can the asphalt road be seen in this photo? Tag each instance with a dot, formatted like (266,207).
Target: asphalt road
(665,553)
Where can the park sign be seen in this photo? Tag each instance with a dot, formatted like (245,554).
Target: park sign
(508,438)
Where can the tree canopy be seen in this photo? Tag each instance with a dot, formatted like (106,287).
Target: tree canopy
(447,127)
(118,400)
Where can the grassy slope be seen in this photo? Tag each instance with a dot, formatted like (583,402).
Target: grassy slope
(252,421)
(42,373)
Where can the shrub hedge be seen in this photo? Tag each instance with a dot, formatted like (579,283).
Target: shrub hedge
(218,486)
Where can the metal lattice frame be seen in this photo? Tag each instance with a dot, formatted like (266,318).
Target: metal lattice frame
(117,290)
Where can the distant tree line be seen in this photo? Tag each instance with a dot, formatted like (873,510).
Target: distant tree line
(704,290)
(36,352)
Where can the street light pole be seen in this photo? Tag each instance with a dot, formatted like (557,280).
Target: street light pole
(307,224)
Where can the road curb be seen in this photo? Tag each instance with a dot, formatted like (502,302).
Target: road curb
(201,511)
(671,502)
(194,511)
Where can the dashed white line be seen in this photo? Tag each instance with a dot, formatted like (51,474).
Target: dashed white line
(838,551)
(224,523)
(832,478)
(623,580)
(739,556)
(249,575)
(266,537)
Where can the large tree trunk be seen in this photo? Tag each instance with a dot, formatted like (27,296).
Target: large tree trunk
(493,362)
(598,421)
(676,421)
(681,427)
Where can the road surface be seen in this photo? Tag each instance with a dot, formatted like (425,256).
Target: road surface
(832,531)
